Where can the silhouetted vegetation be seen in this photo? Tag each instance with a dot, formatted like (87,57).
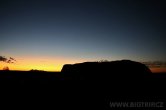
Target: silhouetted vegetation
(6,68)
(7,60)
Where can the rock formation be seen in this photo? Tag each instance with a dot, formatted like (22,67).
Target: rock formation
(105,70)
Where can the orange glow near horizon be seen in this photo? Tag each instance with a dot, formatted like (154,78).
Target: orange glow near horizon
(49,64)
(38,63)
(158,70)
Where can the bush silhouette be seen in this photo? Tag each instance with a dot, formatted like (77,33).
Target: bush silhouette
(6,68)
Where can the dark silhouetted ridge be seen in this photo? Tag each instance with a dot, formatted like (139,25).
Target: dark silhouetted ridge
(105,70)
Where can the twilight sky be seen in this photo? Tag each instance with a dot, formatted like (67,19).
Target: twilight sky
(45,34)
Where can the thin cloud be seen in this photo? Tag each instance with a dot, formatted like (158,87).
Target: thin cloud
(156,64)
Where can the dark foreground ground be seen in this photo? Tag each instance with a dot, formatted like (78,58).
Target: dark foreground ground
(51,90)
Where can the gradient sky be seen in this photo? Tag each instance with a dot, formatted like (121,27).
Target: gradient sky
(45,34)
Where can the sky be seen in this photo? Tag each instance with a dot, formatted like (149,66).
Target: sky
(46,34)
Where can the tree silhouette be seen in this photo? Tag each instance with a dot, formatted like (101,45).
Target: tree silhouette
(6,68)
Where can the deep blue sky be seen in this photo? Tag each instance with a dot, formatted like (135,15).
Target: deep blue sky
(84,29)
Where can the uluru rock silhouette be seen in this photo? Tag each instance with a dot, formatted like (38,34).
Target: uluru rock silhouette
(105,70)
